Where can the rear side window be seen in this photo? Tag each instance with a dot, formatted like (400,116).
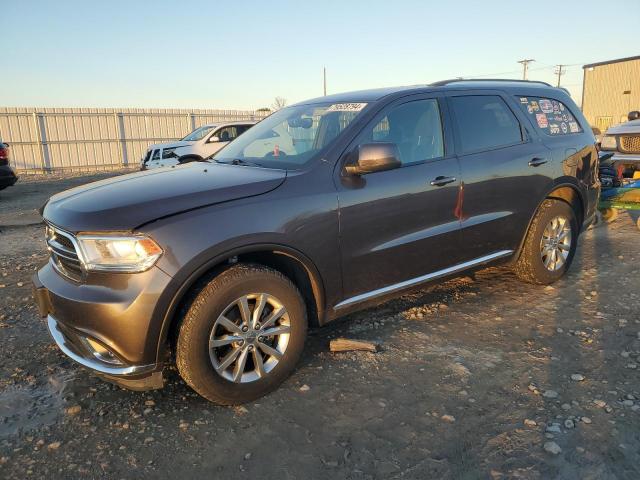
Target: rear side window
(550,116)
(485,122)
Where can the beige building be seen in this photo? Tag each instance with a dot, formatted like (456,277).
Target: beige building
(610,91)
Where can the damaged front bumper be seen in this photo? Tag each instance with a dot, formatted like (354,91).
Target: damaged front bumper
(90,351)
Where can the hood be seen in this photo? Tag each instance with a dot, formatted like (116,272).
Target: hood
(128,201)
(625,128)
(178,143)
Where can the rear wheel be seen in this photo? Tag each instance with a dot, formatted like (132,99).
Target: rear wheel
(550,244)
(242,335)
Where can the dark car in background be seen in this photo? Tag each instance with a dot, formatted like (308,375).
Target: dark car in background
(221,265)
(8,176)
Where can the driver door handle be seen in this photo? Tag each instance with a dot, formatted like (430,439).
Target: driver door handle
(441,181)
(536,162)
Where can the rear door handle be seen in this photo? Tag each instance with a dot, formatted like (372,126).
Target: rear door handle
(441,181)
(536,162)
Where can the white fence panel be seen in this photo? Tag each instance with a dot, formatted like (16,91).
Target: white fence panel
(47,139)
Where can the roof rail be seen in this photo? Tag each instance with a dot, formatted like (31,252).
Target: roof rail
(442,83)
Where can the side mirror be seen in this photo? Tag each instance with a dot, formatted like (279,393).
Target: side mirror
(374,157)
(633,115)
(214,139)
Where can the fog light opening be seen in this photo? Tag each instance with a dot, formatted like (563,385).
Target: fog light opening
(101,353)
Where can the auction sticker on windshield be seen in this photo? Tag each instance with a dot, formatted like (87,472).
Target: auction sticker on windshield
(346,107)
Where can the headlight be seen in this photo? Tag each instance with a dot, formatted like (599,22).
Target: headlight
(608,142)
(135,253)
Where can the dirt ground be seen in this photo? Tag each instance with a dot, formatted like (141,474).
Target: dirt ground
(479,377)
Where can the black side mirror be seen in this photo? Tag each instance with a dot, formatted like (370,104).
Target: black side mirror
(374,157)
(634,115)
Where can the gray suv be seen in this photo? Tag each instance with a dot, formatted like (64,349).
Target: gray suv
(324,208)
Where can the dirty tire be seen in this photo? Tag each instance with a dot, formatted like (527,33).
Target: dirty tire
(207,304)
(530,267)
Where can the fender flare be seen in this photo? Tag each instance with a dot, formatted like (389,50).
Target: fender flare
(177,297)
(191,156)
(555,186)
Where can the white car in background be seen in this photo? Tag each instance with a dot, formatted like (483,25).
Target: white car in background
(203,142)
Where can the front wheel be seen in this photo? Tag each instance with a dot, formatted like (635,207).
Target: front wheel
(242,335)
(550,244)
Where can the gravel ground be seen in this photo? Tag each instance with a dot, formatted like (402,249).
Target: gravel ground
(479,377)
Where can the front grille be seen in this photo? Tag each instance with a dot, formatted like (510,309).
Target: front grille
(630,143)
(63,253)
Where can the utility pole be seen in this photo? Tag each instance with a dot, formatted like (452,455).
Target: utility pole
(525,66)
(324,76)
(559,72)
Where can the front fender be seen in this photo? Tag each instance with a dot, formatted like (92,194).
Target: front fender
(181,284)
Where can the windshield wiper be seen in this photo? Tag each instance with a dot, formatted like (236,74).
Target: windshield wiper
(239,161)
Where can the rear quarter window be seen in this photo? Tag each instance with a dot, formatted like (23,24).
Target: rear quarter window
(550,116)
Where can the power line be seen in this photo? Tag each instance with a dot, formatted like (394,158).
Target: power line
(559,71)
(525,64)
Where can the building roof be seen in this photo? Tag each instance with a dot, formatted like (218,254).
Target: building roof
(607,62)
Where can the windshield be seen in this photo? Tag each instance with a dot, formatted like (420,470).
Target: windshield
(198,134)
(291,137)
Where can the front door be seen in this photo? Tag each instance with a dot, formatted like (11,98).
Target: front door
(398,225)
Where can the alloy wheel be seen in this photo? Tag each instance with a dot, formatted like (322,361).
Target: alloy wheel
(249,338)
(555,244)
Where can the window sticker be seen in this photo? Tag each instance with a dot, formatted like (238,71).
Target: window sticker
(346,107)
(550,116)
(546,105)
(541,118)
(524,100)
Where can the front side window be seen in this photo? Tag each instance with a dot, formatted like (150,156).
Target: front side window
(292,136)
(156,155)
(416,129)
(226,134)
(243,128)
(198,134)
(550,116)
(484,122)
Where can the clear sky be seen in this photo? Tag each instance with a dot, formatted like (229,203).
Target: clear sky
(242,54)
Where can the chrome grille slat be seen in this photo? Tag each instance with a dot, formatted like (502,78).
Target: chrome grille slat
(66,256)
(62,250)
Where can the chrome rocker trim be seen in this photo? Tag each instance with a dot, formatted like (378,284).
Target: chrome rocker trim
(415,281)
(90,363)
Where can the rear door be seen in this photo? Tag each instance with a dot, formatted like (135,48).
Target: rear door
(506,171)
(398,225)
